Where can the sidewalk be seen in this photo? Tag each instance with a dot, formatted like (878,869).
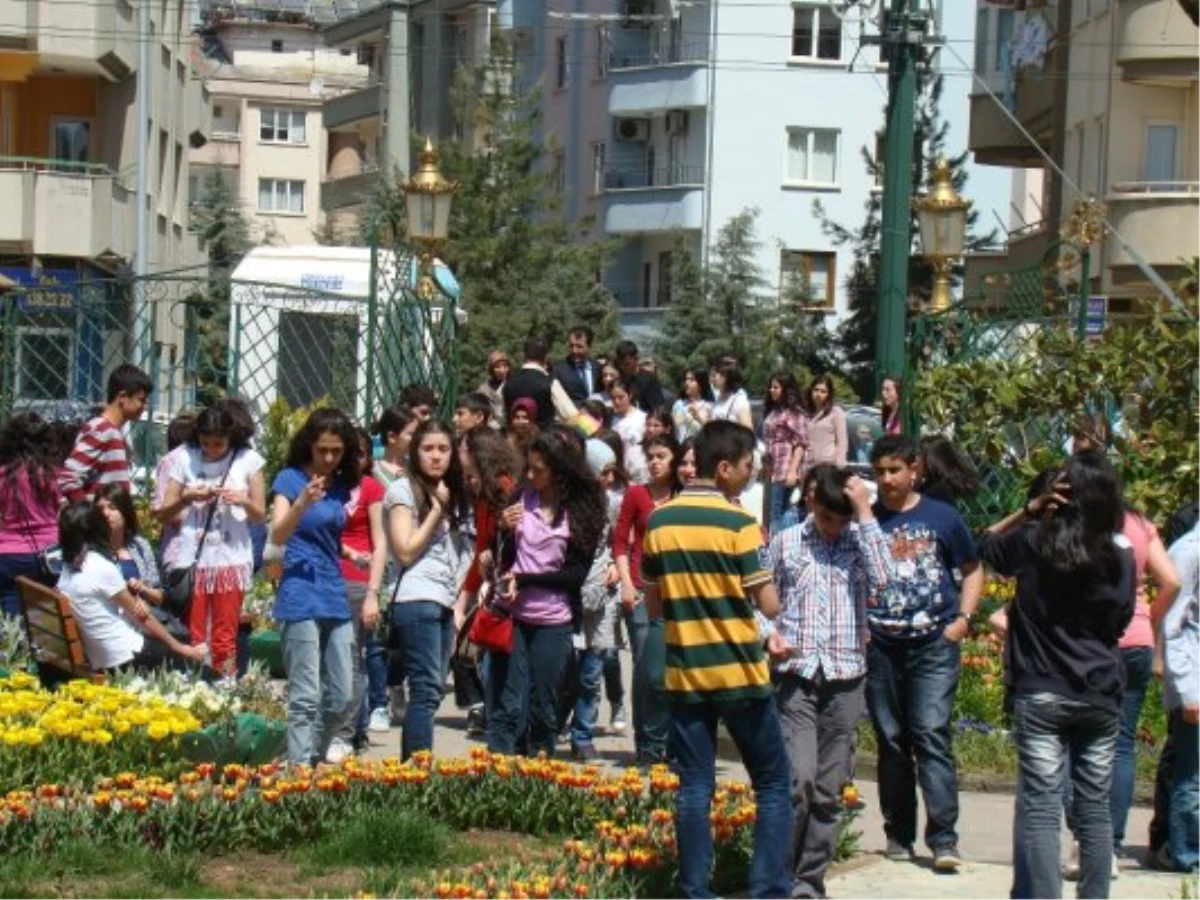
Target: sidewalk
(985,829)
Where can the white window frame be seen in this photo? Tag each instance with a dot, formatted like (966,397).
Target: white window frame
(268,117)
(807,181)
(291,186)
(66,338)
(819,11)
(804,256)
(1176,164)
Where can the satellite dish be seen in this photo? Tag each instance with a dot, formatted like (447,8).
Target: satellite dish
(316,86)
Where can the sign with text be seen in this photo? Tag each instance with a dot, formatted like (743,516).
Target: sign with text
(51,290)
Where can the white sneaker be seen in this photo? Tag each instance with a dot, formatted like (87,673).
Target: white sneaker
(1070,869)
(338,750)
(379,722)
(1116,870)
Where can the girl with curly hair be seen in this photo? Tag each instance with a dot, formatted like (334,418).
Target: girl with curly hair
(308,515)
(555,525)
(29,501)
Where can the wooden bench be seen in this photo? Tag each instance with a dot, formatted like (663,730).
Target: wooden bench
(53,635)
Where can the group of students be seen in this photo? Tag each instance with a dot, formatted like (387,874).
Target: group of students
(848,604)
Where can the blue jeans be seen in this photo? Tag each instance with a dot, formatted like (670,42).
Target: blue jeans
(592,665)
(651,708)
(910,695)
(780,494)
(754,727)
(319,657)
(1184,838)
(12,565)
(375,667)
(523,689)
(614,686)
(1137,661)
(425,639)
(1049,729)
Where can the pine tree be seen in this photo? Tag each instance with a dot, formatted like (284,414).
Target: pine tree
(856,336)
(692,332)
(224,232)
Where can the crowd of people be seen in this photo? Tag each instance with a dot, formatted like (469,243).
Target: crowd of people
(587,508)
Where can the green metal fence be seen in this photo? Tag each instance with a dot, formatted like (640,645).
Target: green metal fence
(265,343)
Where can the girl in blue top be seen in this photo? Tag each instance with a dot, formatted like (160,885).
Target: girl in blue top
(307,517)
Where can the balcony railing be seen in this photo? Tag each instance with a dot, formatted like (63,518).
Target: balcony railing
(1156,187)
(643,178)
(60,166)
(220,135)
(667,55)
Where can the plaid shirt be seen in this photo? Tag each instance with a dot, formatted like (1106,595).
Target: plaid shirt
(823,591)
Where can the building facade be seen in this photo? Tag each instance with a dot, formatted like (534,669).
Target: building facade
(69,167)
(269,75)
(1108,90)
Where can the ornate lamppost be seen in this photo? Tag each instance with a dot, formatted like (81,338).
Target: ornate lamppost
(428,196)
(942,223)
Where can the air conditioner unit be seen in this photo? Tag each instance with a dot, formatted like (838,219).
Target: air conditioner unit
(637,13)
(677,121)
(632,129)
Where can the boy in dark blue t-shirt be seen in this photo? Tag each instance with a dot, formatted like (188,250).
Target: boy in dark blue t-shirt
(916,624)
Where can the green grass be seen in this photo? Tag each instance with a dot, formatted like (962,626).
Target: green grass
(393,838)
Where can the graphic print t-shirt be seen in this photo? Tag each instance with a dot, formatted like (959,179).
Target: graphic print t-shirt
(928,542)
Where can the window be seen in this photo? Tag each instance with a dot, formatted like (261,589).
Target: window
(1159,161)
(44,363)
(276,195)
(282,126)
(816,33)
(560,171)
(665,289)
(807,277)
(560,62)
(812,156)
(276,46)
(72,140)
(1005,19)
(981,40)
(599,154)
(318,357)
(603,49)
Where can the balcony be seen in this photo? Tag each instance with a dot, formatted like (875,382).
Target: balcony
(349,190)
(1156,43)
(62,209)
(352,107)
(995,139)
(100,38)
(1028,246)
(649,78)
(1158,219)
(224,149)
(642,201)
(1036,94)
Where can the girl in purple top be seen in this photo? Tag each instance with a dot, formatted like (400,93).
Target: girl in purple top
(553,530)
(29,501)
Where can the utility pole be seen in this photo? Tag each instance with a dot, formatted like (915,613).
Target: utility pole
(902,36)
(142,337)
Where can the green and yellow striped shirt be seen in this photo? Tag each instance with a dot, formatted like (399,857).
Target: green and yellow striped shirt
(703,553)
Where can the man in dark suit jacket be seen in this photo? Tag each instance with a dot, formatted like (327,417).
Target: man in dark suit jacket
(532,381)
(644,385)
(579,374)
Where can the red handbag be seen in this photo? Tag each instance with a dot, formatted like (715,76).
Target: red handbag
(492,627)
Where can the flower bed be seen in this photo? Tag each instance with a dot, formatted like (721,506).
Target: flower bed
(621,827)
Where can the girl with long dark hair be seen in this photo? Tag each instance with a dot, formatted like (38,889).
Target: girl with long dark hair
(693,408)
(394,429)
(889,406)
(827,438)
(117,628)
(29,501)
(217,487)
(425,511)
(1075,596)
(308,516)
(732,402)
(947,474)
(556,524)
(785,431)
(650,708)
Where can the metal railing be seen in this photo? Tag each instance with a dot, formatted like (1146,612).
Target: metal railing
(644,178)
(55,166)
(668,54)
(1155,187)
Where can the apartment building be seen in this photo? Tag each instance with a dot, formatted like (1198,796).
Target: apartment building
(412,51)
(1108,89)
(270,73)
(69,161)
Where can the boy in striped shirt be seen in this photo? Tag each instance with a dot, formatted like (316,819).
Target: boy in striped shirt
(703,572)
(100,455)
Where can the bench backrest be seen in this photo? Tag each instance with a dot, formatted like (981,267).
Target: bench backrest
(51,629)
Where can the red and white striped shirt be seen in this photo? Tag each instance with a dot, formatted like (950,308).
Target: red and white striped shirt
(100,456)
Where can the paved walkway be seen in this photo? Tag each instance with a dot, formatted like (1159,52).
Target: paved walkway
(985,829)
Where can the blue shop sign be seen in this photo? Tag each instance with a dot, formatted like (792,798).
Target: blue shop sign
(52,290)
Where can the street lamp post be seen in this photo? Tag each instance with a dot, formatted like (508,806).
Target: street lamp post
(428,196)
(942,221)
